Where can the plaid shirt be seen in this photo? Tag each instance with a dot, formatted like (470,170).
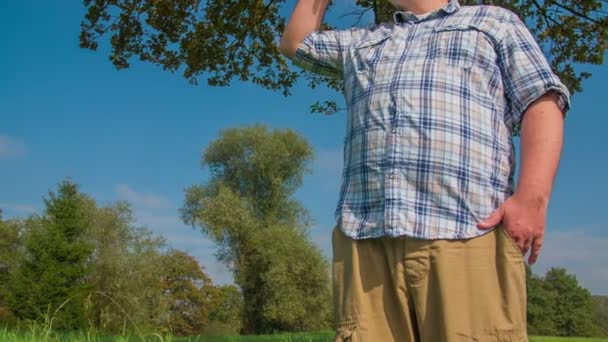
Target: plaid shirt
(432,104)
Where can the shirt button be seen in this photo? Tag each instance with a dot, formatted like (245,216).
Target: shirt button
(394,130)
(392,175)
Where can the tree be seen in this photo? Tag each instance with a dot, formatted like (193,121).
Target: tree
(573,306)
(559,306)
(190,294)
(541,306)
(111,234)
(124,273)
(11,249)
(50,278)
(226,313)
(600,304)
(204,39)
(89,266)
(247,208)
(288,281)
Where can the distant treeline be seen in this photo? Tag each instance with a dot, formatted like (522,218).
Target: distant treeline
(84,266)
(559,306)
(88,266)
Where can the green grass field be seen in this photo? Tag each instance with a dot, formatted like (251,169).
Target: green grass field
(45,336)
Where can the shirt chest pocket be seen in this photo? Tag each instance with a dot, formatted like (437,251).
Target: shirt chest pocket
(370,53)
(453,45)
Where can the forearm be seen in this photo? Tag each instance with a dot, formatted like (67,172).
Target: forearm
(541,146)
(306,17)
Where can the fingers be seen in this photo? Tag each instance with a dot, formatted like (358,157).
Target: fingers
(521,243)
(493,220)
(525,246)
(536,246)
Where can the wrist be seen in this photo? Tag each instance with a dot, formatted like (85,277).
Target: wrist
(533,199)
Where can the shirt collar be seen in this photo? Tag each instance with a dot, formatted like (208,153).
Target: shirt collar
(405,17)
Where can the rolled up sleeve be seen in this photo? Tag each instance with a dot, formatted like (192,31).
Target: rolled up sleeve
(323,52)
(526,73)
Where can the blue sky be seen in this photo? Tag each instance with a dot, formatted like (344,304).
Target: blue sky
(138,134)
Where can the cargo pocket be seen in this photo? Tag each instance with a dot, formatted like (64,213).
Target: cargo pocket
(348,331)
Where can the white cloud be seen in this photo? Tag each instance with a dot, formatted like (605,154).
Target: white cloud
(582,253)
(15,210)
(161,221)
(141,199)
(11,148)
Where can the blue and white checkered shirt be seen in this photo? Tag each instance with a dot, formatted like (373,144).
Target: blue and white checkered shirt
(432,104)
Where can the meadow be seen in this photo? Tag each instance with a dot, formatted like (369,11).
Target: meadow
(7,335)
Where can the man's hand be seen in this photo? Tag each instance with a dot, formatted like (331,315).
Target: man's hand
(524,220)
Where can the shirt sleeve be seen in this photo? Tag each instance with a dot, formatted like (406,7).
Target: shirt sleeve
(526,73)
(322,52)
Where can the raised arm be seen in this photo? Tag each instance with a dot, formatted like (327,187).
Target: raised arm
(306,18)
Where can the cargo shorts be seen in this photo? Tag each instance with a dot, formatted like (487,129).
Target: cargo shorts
(411,290)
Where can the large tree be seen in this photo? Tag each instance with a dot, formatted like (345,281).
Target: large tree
(559,306)
(222,40)
(247,208)
(125,272)
(50,280)
(574,312)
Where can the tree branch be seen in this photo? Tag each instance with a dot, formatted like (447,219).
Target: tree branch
(582,15)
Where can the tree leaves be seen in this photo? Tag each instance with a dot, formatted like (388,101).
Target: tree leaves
(222,40)
(247,208)
(559,306)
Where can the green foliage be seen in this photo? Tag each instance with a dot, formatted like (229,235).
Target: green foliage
(227,312)
(52,272)
(248,209)
(190,294)
(290,279)
(540,307)
(573,307)
(185,33)
(600,306)
(203,39)
(82,266)
(558,305)
(139,285)
(11,249)
(127,292)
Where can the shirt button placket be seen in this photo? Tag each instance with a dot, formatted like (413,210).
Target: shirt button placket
(390,190)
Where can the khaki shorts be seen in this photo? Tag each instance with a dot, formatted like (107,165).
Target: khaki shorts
(410,290)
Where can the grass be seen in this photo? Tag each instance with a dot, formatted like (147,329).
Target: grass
(42,335)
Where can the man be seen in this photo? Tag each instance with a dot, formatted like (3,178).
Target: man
(431,232)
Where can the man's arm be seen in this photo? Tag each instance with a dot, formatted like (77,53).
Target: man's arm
(524,213)
(306,18)
(541,145)
(542,133)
